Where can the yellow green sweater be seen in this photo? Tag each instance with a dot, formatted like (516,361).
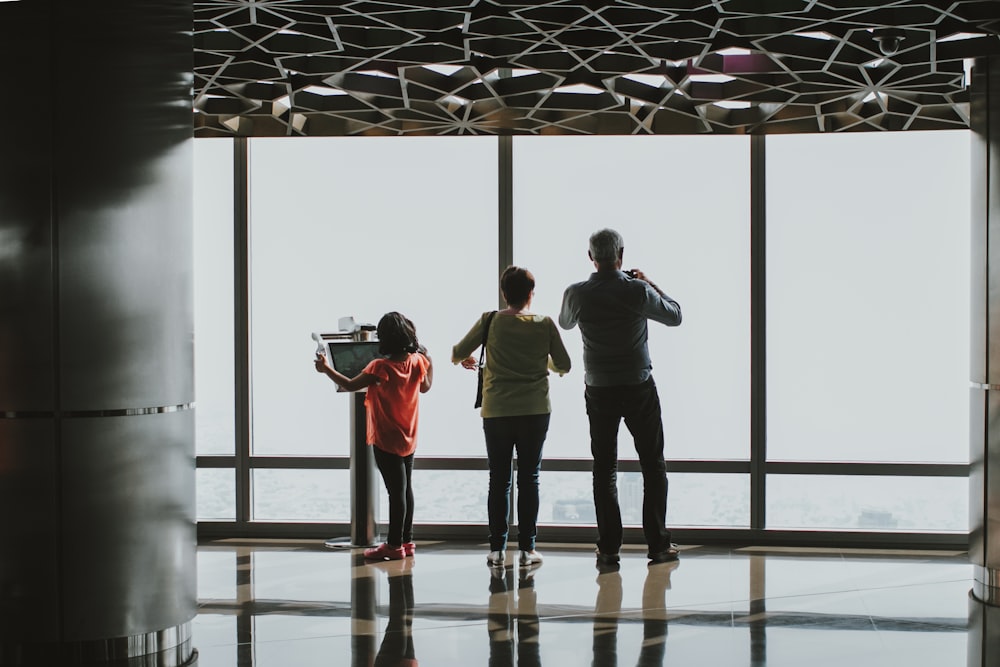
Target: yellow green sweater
(520,351)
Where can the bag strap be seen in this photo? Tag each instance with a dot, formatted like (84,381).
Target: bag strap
(486,333)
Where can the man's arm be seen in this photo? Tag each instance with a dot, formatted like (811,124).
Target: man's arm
(568,315)
(658,306)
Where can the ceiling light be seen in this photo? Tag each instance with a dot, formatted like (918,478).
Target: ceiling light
(446,70)
(815,35)
(711,78)
(579,89)
(321,90)
(654,80)
(375,72)
(960,36)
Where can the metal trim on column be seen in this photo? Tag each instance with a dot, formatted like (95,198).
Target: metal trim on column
(169,647)
(241,326)
(984,436)
(986,585)
(758,332)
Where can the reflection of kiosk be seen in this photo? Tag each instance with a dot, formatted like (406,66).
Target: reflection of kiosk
(348,354)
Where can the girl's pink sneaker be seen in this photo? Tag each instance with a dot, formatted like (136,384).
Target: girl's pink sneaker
(385,551)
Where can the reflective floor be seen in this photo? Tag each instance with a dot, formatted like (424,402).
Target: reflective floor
(299,604)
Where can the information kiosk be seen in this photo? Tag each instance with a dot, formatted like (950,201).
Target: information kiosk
(349,354)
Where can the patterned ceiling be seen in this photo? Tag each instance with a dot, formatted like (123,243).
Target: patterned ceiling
(323,68)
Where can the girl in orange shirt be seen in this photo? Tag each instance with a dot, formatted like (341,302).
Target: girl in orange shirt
(394,384)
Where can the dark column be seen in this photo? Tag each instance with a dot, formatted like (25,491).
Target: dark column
(97,559)
(984,479)
(984,483)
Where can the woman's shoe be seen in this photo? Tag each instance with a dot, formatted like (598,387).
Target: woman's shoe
(496,558)
(409,548)
(385,551)
(530,558)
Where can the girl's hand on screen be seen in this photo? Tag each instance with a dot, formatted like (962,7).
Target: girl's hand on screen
(320,363)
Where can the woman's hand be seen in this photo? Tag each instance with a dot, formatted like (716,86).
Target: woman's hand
(470,363)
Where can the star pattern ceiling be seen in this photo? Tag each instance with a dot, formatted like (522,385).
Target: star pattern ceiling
(315,68)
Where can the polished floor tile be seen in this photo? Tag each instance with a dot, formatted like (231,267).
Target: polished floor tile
(277,604)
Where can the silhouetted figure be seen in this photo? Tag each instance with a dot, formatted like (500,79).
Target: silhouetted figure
(520,350)
(612,309)
(394,383)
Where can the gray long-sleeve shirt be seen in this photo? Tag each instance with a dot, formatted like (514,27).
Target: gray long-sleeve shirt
(612,310)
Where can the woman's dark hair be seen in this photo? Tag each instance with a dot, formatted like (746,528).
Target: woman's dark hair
(396,334)
(516,284)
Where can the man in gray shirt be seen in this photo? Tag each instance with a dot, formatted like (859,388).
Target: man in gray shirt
(612,308)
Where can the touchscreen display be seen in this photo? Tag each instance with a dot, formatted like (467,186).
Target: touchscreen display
(350,358)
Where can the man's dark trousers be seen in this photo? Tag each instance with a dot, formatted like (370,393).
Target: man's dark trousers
(639,406)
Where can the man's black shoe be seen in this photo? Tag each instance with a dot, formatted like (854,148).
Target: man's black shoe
(607,562)
(664,556)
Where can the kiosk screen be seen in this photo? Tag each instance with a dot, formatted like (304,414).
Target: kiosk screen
(352,357)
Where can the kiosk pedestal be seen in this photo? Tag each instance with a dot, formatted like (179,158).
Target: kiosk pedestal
(364,497)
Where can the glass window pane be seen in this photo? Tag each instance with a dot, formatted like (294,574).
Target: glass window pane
(213,296)
(707,500)
(301,495)
(359,227)
(216,494)
(444,496)
(868,297)
(868,503)
(693,499)
(681,204)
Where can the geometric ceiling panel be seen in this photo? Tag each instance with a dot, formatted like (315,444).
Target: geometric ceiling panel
(322,68)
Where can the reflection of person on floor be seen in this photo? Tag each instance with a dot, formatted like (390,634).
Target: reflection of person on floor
(397,642)
(607,613)
(503,609)
(654,614)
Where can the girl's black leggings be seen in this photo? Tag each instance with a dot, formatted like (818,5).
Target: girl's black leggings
(396,472)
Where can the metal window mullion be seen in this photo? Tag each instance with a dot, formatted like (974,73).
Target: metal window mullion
(241,324)
(854,468)
(505,208)
(505,238)
(581,534)
(758,332)
(299,463)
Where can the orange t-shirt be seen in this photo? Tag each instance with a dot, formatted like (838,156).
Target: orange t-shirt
(392,403)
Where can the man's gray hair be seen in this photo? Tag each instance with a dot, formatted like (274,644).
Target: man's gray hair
(606,245)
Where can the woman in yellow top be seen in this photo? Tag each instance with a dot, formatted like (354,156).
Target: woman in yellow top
(521,348)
